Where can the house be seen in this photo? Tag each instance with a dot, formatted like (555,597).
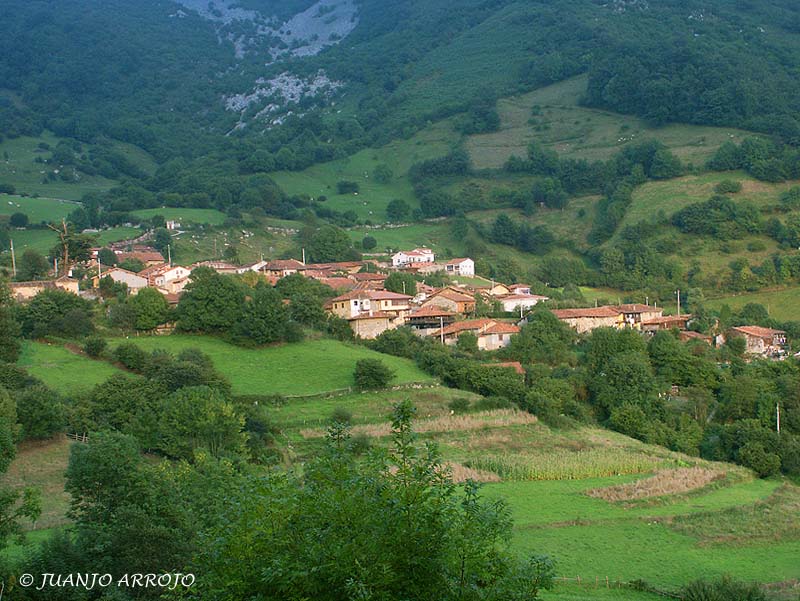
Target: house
(257,267)
(665,322)
(134,281)
(159,275)
(519,289)
(25,291)
(496,289)
(375,279)
(491,334)
(171,224)
(371,325)
(452,300)
(520,302)
(148,256)
(429,318)
(761,341)
(688,335)
(359,302)
(344,267)
(634,314)
(463,267)
(586,320)
(418,255)
(221,267)
(282,267)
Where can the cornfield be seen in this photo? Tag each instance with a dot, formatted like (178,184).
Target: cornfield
(664,482)
(560,464)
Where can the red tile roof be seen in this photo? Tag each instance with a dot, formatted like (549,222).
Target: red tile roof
(758,331)
(373,295)
(285,264)
(588,312)
(666,319)
(482,326)
(430,311)
(636,308)
(457,261)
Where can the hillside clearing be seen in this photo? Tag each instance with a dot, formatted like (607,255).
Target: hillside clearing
(63,370)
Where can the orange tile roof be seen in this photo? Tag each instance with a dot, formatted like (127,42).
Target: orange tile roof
(666,319)
(431,311)
(482,326)
(758,331)
(373,295)
(588,312)
(636,308)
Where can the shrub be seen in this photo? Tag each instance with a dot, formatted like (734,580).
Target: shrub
(369,242)
(459,405)
(40,412)
(372,374)
(347,187)
(131,356)
(725,589)
(95,346)
(728,186)
(490,403)
(341,415)
(763,463)
(360,443)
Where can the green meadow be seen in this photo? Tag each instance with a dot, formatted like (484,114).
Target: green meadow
(64,370)
(783,305)
(304,368)
(38,210)
(201,216)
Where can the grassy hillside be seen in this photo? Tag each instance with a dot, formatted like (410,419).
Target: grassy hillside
(309,367)
(545,475)
(18,168)
(63,370)
(38,210)
(783,305)
(559,123)
(370,203)
(201,216)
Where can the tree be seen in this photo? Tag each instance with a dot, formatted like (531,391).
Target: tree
(150,307)
(368,242)
(106,256)
(18,220)
(264,318)
(382,173)
(201,418)
(330,243)
(40,412)
(347,187)
(398,210)
(9,328)
(210,303)
(366,526)
(59,313)
(372,374)
(467,342)
(402,283)
(32,266)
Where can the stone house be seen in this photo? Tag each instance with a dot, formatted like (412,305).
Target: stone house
(25,291)
(586,320)
(765,342)
(452,300)
(492,334)
(134,281)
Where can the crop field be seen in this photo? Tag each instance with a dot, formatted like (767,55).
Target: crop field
(304,368)
(546,476)
(63,370)
(582,133)
(38,210)
(210,216)
(17,167)
(783,305)
(373,197)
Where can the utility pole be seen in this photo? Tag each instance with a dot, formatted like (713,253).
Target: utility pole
(63,234)
(441,329)
(169,255)
(778,416)
(304,256)
(13,260)
(679,302)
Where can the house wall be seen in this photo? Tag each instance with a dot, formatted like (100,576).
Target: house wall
(370,328)
(587,324)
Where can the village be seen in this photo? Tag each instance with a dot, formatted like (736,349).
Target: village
(444,313)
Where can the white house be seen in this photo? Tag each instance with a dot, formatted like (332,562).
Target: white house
(134,281)
(418,255)
(515,302)
(463,267)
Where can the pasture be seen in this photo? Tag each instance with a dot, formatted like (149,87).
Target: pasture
(783,305)
(200,216)
(304,368)
(62,369)
(38,210)
(553,117)
(373,197)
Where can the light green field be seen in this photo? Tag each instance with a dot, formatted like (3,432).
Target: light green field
(20,170)
(305,368)
(39,240)
(783,305)
(435,236)
(38,210)
(62,369)
(577,132)
(190,246)
(201,216)
(117,234)
(372,199)
(588,537)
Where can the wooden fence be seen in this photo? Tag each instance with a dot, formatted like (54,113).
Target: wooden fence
(607,582)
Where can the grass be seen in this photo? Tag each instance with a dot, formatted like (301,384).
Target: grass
(435,236)
(783,305)
(201,216)
(62,369)
(663,482)
(373,197)
(41,465)
(305,368)
(43,240)
(18,168)
(38,210)
(577,132)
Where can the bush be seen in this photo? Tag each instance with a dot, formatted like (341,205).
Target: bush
(95,346)
(131,356)
(347,187)
(490,403)
(725,589)
(372,374)
(369,242)
(341,415)
(728,186)
(40,412)
(763,463)
(360,444)
(459,405)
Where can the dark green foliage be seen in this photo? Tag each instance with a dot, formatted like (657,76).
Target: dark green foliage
(459,405)
(150,309)
(95,346)
(728,186)
(329,244)
(543,339)
(402,283)
(347,187)
(719,217)
(390,517)
(130,356)
(40,412)
(368,242)
(32,266)
(211,303)
(18,220)
(398,211)
(57,313)
(107,256)
(382,173)
(401,342)
(372,374)
(725,589)
(10,330)
(264,318)
(342,416)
